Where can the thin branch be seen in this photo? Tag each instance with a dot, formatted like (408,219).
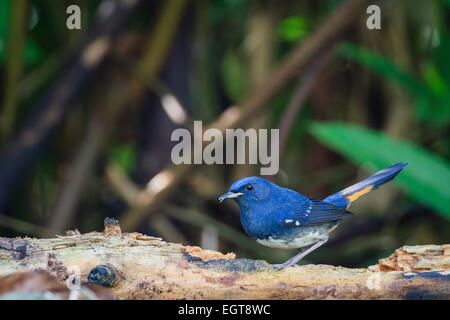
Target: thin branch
(175,111)
(65,205)
(162,224)
(132,194)
(304,87)
(22,226)
(16,43)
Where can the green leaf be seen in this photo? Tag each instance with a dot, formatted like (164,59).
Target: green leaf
(126,156)
(426,177)
(234,75)
(434,80)
(293,28)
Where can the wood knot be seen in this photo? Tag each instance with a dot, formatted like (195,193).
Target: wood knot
(112,227)
(105,275)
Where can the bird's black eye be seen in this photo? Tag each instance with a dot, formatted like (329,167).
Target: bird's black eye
(249,187)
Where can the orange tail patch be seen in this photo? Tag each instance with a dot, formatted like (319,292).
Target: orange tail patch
(352,197)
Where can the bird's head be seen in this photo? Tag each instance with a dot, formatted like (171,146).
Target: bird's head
(248,189)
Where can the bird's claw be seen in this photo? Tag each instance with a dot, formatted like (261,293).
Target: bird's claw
(281,266)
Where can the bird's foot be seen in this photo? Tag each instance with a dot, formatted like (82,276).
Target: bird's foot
(292,261)
(284,265)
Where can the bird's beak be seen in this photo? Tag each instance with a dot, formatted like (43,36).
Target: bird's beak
(230,195)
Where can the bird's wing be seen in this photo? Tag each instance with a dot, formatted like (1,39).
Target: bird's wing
(311,211)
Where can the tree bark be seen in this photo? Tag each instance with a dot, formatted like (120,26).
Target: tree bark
(136,266)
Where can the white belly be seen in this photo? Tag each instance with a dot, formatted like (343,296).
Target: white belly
(303,240)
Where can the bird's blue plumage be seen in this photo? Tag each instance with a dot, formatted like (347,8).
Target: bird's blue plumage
(282,218)
(269,211)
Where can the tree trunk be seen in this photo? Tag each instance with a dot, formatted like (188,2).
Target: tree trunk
(136,266)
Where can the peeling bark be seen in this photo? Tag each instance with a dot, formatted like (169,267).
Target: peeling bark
(416,258)
(136,266)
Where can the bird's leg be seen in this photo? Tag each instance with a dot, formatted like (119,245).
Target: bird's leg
(300,255)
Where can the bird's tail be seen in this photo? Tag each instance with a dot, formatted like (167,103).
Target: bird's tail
(344,197)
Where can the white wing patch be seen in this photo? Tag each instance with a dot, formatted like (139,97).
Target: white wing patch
(290,222)
(309,209)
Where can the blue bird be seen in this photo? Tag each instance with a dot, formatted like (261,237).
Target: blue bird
(282,218)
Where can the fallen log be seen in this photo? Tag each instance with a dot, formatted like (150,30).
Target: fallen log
(136,266)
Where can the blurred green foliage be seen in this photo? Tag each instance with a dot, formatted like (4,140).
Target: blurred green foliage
(234,75)
(293,28)
(4,23)
(33,53)
(431,93)
(125,155)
